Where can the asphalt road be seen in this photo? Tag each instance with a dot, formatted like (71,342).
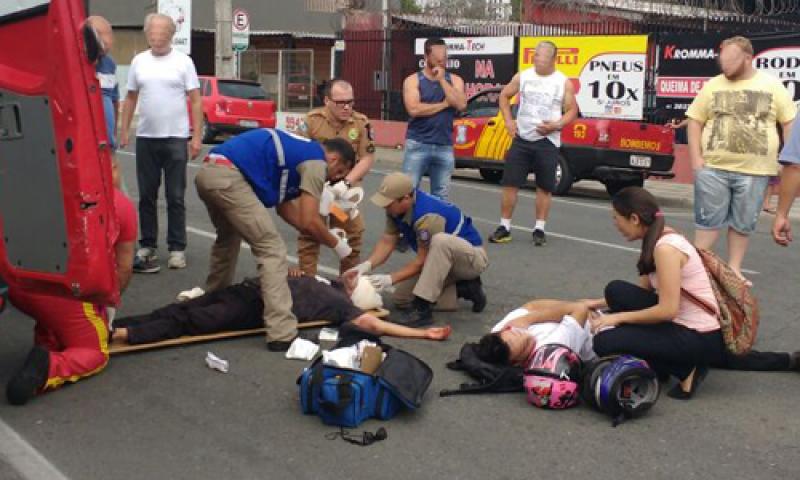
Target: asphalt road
(164,414)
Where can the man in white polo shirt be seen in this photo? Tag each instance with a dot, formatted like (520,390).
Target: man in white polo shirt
(162,78)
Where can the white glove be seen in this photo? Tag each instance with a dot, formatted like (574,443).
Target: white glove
(325,201)
(342,249)
(362,268)
(382,283)
(339,189)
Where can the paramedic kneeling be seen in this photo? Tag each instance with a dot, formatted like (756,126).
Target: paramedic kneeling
(70,336)
(245,176)
(450,256)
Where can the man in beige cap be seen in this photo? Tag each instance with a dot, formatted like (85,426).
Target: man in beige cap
(450,256)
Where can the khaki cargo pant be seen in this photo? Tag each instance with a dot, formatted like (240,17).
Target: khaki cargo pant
(308,246)
(238,214)
(450,259)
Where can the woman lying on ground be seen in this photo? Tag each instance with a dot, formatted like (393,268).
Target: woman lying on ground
(653,320)
(239,307)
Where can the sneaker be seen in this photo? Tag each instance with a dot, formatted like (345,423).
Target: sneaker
(30,378)
(146,261)
(282,345)
(539,238)
(177,259)
(501,235)
(420,315)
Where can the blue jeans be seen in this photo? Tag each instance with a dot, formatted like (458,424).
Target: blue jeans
(154,156)
(728,198)
(435,160)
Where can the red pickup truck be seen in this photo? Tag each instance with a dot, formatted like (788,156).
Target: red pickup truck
(618,153)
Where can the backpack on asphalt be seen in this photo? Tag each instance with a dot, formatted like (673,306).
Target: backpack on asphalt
(491,378)
(738,308)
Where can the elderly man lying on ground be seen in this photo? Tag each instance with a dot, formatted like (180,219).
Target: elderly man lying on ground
(240,307)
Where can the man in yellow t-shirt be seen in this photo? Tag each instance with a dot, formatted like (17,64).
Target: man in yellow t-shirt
(733,146)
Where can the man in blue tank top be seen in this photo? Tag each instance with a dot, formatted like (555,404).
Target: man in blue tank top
(244,177)
(431,97)
(450,254)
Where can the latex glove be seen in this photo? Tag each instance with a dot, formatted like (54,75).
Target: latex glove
(339,189)
(362,268)
(382,283)
(325,201)
(342,248)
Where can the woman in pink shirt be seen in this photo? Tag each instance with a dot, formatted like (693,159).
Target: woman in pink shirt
(654,320)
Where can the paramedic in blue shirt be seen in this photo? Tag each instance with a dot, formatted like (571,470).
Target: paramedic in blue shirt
(789,186)
(450,254)
(251,173)
(431,97)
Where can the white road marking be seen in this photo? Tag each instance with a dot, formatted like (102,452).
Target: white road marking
(28,462)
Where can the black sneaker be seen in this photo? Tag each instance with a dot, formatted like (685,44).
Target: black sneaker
(30,378)
(539,238)
(146,261)
(282,345)
(501,235)
(472,290)
(420,315)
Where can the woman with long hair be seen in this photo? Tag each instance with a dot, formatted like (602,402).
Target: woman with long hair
(655,320)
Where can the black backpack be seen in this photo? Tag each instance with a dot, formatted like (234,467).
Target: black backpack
(491,378)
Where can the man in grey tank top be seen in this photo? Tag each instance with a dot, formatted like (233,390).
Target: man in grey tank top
(546,105)
(431,97)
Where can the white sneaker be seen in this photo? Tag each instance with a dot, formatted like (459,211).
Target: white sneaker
(177,259)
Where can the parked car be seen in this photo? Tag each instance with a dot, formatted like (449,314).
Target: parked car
(617,153)
(233,106)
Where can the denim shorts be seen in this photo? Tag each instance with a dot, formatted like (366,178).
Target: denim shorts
(728,198)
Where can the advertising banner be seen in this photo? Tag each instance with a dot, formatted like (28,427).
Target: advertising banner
(685,63)
(608,72)
(483,62)
(181,13)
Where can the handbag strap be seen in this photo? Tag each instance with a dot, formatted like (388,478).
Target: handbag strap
(686,293)
(344,397)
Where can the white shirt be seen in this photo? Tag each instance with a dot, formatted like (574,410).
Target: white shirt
(162,83)
(541,98)
(568,332)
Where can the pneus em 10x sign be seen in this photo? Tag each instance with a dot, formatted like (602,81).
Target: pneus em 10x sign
(607,72)
(483,62)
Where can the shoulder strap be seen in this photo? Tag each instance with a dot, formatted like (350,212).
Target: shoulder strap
(692,297)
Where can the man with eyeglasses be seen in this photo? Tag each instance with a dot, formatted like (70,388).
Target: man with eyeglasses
(338,119)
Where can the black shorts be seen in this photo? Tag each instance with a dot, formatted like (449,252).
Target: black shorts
(539,157)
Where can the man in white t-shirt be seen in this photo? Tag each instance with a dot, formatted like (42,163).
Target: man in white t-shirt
(160,80)
(546,105)
(539,322)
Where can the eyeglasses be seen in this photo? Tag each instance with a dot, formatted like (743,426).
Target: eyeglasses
(343,103)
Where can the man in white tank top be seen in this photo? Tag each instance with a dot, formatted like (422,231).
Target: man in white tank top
(546,105)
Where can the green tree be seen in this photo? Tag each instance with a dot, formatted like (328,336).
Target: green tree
(410,6)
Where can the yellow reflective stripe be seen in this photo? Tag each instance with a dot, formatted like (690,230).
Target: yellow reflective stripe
(102,335)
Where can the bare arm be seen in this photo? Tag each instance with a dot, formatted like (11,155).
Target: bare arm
(412,268)
(414,105)
(668,270)
(789,188)
(361,168)
(506,94)
(197,121)
(695,131)
(454,94)
(303,214)
(124,255)
(543,311)
(128,107)
(383,249)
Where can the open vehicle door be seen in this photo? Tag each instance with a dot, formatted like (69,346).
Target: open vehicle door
(56,195)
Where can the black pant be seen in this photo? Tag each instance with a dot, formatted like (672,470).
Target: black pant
(238,307)
(152,156)
(670,348)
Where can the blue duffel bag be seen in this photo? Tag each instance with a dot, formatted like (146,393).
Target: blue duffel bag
(346,397)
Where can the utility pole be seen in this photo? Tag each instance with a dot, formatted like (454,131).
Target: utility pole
(223,57)
(387,61)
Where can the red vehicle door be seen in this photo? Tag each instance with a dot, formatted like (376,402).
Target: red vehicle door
(56,195)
